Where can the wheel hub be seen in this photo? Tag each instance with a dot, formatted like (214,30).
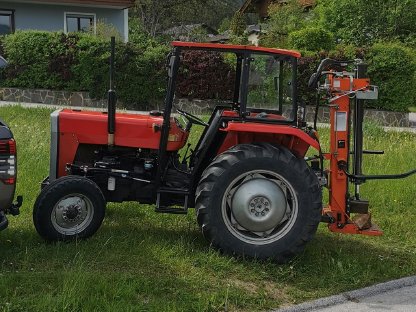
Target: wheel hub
(259,205)
(72,213)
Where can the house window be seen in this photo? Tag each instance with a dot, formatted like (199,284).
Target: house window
(79,22)
(6,22)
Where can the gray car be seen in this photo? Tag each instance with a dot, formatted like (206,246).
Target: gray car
(8,172)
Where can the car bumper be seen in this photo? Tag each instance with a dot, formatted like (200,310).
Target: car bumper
(4,223)
(14,210)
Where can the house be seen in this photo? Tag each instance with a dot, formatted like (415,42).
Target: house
(261,7)
(220,38)
(191,32)
(63,15)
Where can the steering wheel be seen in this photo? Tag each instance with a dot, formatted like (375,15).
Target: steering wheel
(192,118)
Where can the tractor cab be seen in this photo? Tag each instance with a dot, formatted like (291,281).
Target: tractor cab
(262,106)
(263,79)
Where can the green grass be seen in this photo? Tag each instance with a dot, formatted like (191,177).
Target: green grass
(142,261)
(412,109)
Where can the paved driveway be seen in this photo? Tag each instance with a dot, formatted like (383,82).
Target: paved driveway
(397,295)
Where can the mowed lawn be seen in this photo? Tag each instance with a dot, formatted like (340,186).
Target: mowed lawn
(143,261)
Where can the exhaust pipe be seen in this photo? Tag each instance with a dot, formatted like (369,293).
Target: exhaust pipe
(112,97)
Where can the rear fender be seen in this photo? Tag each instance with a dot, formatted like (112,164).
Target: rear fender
(292,138)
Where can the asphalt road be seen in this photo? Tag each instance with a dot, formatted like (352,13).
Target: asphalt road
(397,295)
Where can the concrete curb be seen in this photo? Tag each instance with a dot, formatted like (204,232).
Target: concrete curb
(354,295)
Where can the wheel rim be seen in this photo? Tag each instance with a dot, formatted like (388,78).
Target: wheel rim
(259,207)
(72,214)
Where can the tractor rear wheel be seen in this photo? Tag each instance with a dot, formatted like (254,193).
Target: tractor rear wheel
(259,201)
(68,208)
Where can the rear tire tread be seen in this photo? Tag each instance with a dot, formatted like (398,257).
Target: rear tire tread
(225,162)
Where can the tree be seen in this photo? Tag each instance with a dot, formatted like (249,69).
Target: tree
(238,25)
(311,39)
(284,18)
(152,13)
(364,22)
(157,15)
(225,25)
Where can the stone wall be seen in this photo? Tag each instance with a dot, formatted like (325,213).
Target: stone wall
(39,96)
(199,107)
(384,118)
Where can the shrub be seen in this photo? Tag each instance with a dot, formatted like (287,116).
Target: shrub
(80,62)
(139,71)
(283,20)
(363,22)
(392,66)
(307,65)
(105,31)
(141,75)
(90,70)
(30,55)
(347,52)
(205,75)
(311,39)
(238,25)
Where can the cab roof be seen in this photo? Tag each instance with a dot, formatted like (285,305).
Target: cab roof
(232,47)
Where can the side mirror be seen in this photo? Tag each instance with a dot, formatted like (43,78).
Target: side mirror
(3,62)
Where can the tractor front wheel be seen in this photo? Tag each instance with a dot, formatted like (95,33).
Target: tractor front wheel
(68,208)
(259,201)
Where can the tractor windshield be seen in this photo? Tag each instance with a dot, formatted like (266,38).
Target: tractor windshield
(257,84)
(270,85)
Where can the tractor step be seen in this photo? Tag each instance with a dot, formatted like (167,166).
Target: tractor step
(172,210)
(173,190)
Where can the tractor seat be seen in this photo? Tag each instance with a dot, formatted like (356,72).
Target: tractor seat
(155,113)
(262,115)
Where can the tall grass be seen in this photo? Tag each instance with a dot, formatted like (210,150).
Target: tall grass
(142,261)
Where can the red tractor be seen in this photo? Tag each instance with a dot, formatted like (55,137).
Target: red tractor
(255,191)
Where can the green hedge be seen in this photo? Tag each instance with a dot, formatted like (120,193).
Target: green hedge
(312,39)
(79,62)
(392,67)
